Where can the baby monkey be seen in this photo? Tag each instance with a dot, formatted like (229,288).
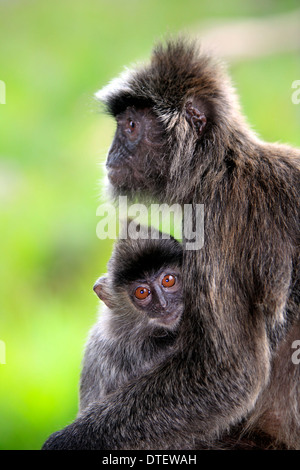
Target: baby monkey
(138,326)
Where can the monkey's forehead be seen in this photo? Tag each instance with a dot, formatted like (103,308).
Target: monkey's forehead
(176,71)
(142,273)
(117,87)
(138,259)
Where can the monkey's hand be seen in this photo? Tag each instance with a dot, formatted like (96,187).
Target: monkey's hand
(73,437)
(57,441)
(62,440)
(87,432)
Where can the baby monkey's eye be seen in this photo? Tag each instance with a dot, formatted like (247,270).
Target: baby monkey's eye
(141,293)
(168,280)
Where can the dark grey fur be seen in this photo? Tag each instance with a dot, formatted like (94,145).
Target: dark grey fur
(231,374)
(125,342)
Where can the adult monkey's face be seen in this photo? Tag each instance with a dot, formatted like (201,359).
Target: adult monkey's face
(165,114)
(137,160)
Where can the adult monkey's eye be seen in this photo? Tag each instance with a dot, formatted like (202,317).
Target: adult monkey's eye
(141,293)
(168,280)
(130,126)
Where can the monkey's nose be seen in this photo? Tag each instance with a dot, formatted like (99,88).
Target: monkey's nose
(161,298)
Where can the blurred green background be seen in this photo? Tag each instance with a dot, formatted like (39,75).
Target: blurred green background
(53,141)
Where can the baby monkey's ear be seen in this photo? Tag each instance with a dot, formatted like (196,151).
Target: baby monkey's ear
(102,290)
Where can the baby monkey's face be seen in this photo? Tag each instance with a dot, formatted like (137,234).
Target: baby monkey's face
(155,298)
(159,296)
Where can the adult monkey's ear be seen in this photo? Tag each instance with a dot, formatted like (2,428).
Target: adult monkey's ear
(195,118)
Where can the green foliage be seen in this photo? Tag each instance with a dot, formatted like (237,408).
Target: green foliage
(54,56)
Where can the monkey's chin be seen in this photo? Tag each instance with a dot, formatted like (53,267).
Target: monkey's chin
(116,176)
(124,181)
(169,322)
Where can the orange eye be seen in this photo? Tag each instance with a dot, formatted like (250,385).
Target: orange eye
(142,293)
(168,280)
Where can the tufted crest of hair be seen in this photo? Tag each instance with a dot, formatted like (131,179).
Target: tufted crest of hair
(178,71)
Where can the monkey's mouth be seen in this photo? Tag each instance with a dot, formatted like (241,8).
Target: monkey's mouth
(168,320)
(117,175)
(124,176)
